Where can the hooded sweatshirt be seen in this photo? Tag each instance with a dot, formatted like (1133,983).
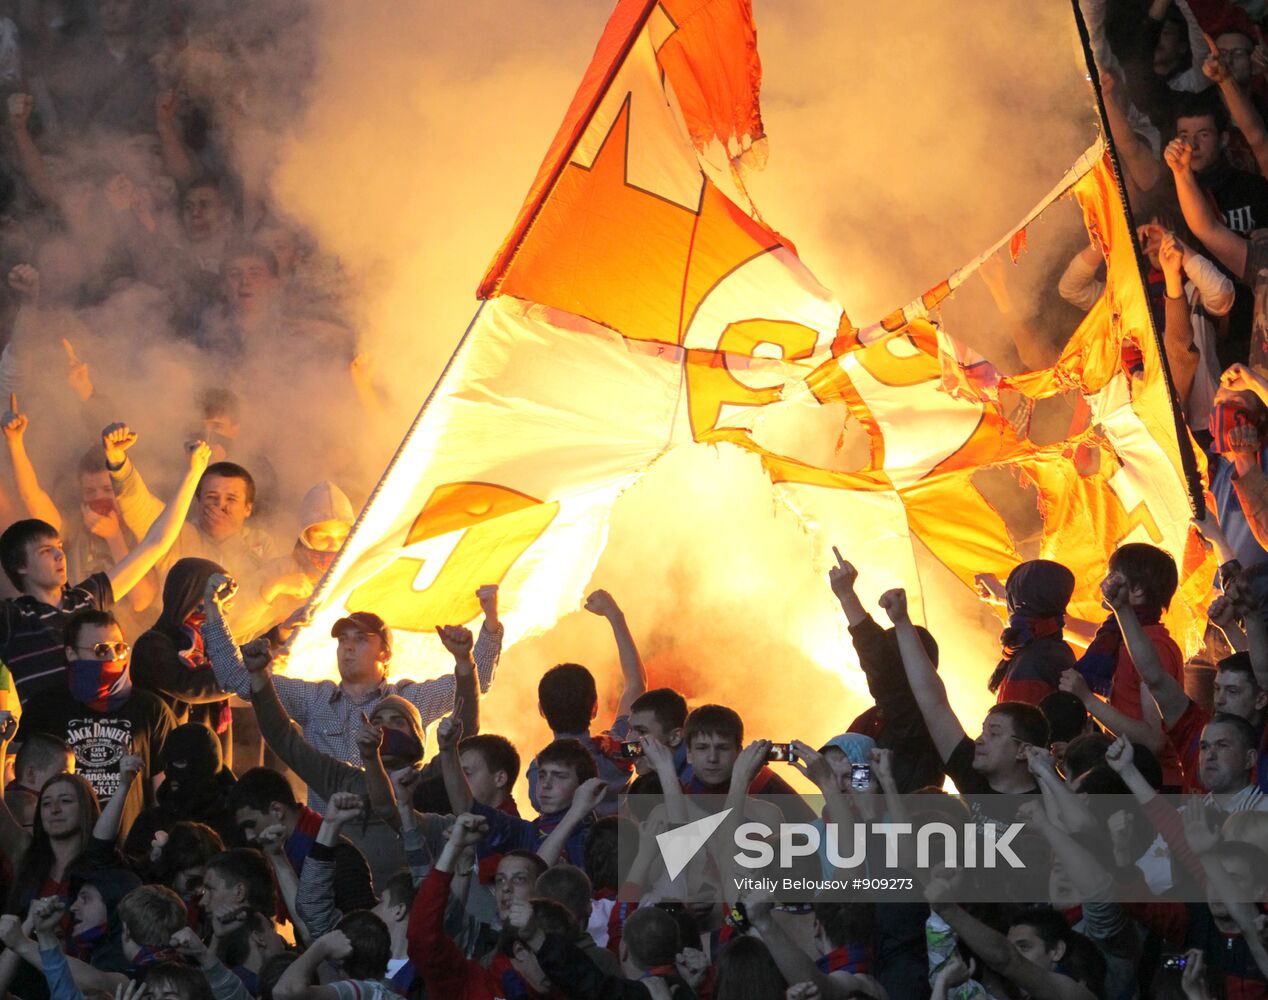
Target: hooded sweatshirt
(169,659)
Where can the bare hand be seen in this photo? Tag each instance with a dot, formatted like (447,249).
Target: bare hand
(11,931)
(116,440)
(488,598)
(199,455)
(78,376)
(369,739)
(189,945)
(47,913)
(803,991)
(130,765)
(1116,592)
(1171,255)
(882,761)
(842,577)
(334,945)
(257,655)
(1179,156)
(692,965)
(220,590)
(1244,439)
(1073,681)
(14,423)
(1242,378)
(894,604)
(8,726)
(102,525)
(1223,613)
(1121,755)
(272,839)
(20,107)
(602,604)
(1039,760)
(24,281)
(587,797)
(814,766)
(449,731)
(457,640)
(750,760)
(343,807)
(468,830)
(1213,69)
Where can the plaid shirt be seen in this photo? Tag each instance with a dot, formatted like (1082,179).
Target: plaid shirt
(329,717)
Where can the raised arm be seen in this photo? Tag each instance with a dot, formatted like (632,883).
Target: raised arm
(1182,355)
(448,736)
(378,785)
(1165,689)
(315,896)
(177,161)
(106,828)
(36,501)
(297,982)
(926,685)
(1228,248)
(602,604)
(796,965)
(128,572)
(1002,955)
(1240,107)
(1138,158)
(584,802)
(1119,723)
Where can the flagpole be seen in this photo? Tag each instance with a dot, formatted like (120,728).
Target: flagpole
(322,585)
(1188,461)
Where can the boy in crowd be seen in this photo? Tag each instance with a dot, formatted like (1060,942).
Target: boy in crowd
(661,713)
(32,626)
(996,761)
(714,735)
(568,700)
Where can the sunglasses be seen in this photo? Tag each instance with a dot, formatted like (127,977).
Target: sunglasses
(109,650)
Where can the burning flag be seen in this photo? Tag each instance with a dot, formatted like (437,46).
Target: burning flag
(635,308)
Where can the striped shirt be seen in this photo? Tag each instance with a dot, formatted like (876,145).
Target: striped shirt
(329,717)
(33,635)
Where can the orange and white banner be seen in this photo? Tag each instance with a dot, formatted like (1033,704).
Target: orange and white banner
(635,308)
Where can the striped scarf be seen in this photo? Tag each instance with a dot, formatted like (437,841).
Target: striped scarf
(847,958)
(302,838)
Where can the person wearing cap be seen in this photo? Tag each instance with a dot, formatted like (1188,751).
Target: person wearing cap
(330,713)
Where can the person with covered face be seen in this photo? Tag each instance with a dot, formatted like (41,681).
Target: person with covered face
(170,659)
(1034,651)
(101,715)
(401,745)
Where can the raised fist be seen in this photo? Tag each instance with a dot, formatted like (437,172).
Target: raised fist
(894,604)
(1179,156)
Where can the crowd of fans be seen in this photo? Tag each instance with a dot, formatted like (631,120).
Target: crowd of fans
(139,858)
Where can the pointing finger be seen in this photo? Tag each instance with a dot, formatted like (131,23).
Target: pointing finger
(837,552)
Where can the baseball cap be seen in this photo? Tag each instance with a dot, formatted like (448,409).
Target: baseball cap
(366,621)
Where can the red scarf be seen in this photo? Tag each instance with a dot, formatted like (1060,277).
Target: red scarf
(195,658)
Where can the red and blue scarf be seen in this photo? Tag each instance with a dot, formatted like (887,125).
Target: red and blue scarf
(194,657)
(1100,661)
(102,685)
(302,838)
(855,958)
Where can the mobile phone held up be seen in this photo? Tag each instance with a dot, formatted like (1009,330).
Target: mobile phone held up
(632,749)
(781,752)
(860,777)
